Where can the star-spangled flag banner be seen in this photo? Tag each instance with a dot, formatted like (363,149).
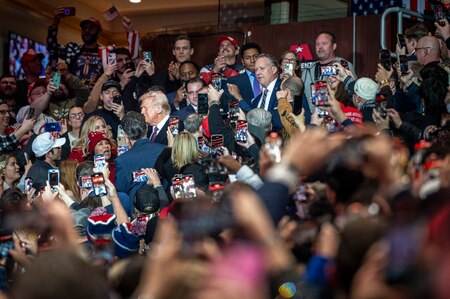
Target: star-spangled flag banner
(370,7)
(111,14)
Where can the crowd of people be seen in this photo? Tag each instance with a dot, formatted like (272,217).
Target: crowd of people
(250,177)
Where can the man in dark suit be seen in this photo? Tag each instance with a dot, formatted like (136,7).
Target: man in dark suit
(247,82)
(156,110)
(142,154)
(193,88)
(267,74)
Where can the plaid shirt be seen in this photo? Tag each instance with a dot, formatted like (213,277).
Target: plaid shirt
(8,143)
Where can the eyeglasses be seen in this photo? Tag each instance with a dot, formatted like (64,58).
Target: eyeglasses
(76,115)
(3,112)
(285,60)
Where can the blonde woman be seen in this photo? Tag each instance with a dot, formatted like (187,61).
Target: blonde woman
(9,173)
(92,124)
(182,158)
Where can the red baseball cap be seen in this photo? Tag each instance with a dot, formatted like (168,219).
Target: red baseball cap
(228,38)
(93,21)
(29,55)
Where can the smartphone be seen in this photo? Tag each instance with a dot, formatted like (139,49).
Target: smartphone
(52,127)
(189,186)
(130,66)
(53,178)
(28,184)
(241,131)
(438,14)
(217,144)
(273,145)
(321,92)
(403,62)
(117,99)
(385,59)
(30,113)
(57,79)
(148,57)
(217,82)
(212,166)
(288,69)
(85,182)
(111,58)
(139,177)
(99,162)
(69,11)
(234,110)
(6,244)
(177,186)
(202,104)
(216,190)
(381,105)
(401,40)
(174,125)
(98,182)
(200,142)
(313,94)
(321,113)
(344,64)
(328,70)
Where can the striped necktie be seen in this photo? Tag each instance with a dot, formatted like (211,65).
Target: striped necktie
(263,100)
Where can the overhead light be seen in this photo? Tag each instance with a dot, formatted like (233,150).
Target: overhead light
(135,1)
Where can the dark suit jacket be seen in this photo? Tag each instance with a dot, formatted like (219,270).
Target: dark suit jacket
(161,138)
(244,84)
(247,105)
(184,112)
(143,154)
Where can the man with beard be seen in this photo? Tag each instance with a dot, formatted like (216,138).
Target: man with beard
(8,87)
(85,61)
(326,46)
(225,64)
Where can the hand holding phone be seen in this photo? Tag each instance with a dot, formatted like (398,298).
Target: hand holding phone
(57,79)
(148,57)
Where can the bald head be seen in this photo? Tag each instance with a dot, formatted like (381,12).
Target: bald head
(427,50)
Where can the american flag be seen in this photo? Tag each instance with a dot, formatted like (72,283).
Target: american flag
(111,14)
(370,7)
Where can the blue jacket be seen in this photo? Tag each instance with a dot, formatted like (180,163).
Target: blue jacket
(143,154)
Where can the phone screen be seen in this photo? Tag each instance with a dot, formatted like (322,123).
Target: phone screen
(98,182)
(241,131)
(273,145)
(177,186)
(216,189)
(86,182)
(328,70)
(28,184)
(385,59)
(288,69)
(99,162)
(69,11)
(321,93)
(139,177)
(52,127)
(53,177)
(217,143)
(174,124)
(403,61)
(202,104)
(189,186)
(401,41)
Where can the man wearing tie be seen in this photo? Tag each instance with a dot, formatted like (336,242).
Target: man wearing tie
(266,70)
(247,82)
(156,110)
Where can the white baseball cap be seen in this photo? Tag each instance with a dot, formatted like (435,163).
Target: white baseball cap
(366,88)
(44,142)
